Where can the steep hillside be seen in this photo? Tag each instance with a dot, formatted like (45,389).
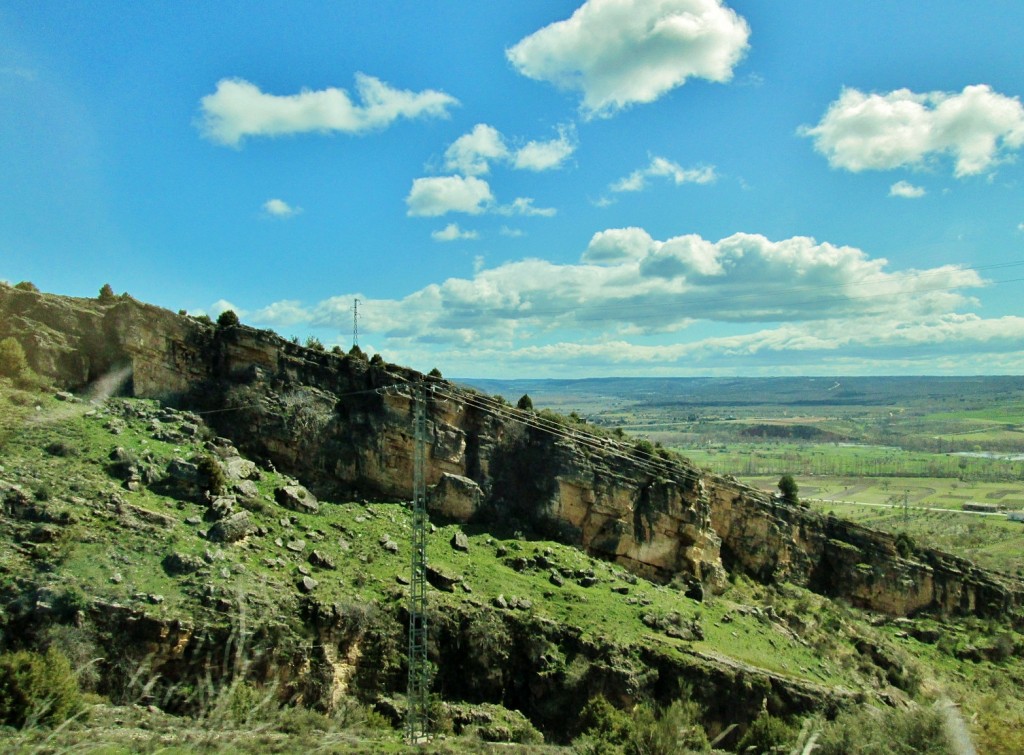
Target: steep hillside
(344,425)
(229,536)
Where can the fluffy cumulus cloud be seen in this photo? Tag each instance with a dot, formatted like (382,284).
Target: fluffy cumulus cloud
(432,197)
(546,155)
(617,53)
(617,245)
(662,168)
(452,232)
(472,154)
(239,109)
(282,313)
(976,128)
(439,195)
(630,298)
(906,190)
(278,208)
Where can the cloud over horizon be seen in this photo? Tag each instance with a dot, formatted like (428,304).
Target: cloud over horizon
(239,109)
(618,53)
(630,295)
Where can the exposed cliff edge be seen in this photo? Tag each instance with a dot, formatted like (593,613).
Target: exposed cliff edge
(343,424)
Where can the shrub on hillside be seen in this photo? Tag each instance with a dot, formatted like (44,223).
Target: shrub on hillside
(668,731)
(905,545)
(27,286)
(885,732)
(211,475)
(14,365)
(37,687)
(767,734)
(12,358)
(602,726)
(644,449)
(107,293)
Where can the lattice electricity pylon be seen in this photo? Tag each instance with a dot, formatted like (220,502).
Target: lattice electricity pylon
(417,693)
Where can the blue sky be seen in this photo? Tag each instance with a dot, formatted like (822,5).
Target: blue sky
(535,189)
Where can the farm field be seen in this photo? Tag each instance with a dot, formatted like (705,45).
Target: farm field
(888,464)
(936,415)
(920,492)
(857,447)
(932,518)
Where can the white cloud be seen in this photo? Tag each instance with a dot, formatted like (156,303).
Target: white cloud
(842,342)
(282,313)
(223,305)
(524,206)
(471,153)
(431,197)
(621,52)
(618,245)
(515,233)
(631,284)
(906,190)
(806,305)
(539,156)
(452,232)
(976,127)
(239,109)
(278,208)
(660,167)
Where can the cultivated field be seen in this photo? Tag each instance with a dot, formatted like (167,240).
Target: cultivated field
(901,454)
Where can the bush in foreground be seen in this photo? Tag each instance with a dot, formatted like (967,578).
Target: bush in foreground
(37,687)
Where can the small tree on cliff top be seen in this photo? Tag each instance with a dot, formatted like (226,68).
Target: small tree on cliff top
(227,319)
(788,488)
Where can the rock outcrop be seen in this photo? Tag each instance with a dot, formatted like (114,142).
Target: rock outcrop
(343,425)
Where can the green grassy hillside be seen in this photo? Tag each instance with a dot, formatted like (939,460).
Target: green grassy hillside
(121,551)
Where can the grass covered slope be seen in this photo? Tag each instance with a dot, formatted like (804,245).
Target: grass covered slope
(173,573)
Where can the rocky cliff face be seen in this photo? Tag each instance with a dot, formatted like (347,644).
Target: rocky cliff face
(775,541)
(344,426)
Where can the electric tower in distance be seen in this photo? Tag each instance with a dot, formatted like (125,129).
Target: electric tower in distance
(417,692)
(355,322)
